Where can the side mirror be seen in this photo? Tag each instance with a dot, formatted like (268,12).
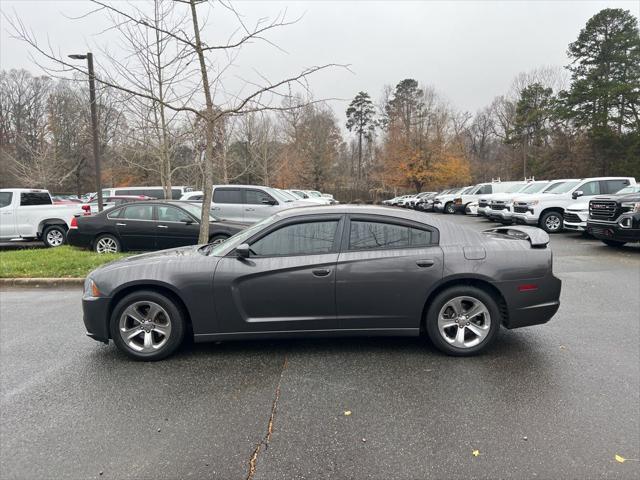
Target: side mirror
(269,201)
(577,193)
(187,222)
(243,250)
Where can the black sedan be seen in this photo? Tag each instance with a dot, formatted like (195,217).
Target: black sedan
(329,271)
(148,225)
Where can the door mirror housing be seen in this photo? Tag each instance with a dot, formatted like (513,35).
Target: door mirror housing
(188,221)
(269,201)
(243,250)
(577,193)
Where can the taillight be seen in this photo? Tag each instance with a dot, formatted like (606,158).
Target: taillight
(74,223)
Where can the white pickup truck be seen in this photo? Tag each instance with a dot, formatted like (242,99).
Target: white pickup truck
(30,214)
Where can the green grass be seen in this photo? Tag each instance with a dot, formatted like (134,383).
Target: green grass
(55,262)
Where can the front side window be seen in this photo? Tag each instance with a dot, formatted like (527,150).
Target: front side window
(34,198)
(257,197)
(172,214)
(5,199)
(365,235)
(590,188)
(298,239)
(138,212)
(227,195)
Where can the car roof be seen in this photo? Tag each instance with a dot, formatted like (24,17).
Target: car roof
(24,190)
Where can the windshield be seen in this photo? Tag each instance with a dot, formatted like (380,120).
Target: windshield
(237,239)
(629,189)
(288,194)
(534,187)
(563,187)
(195,210)
(516,187)
(277,194)
(296,194)
(469,189)
(313,193)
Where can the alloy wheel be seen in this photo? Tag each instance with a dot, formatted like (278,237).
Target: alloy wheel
(145,326)
(464,322)
(55,238)
(552,222)
(106,245)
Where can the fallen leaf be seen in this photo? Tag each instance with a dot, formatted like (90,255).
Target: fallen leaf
(620,459)
(475,453)
(347,413)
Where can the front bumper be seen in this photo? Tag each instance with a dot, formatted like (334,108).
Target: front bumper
(604,230)
(503,216)
(576,227)
(528,218)
(438,207)
(95,312)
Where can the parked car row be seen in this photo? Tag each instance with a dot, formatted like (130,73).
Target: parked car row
(573,204)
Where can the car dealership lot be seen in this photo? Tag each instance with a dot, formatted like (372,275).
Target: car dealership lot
(554,401)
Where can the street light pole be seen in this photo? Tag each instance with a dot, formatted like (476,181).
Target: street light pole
(94,123)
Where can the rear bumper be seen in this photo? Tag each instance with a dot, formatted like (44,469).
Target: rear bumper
(96,318)
(77,239)
(531,306)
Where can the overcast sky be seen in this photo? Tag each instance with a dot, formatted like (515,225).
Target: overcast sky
(469,51)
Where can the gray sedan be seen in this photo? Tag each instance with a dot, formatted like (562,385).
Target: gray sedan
(329,271)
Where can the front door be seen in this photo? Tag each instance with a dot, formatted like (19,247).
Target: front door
(384,273)
(175,228)
(258,204)
(286,284)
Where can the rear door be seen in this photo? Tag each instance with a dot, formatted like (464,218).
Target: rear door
(7,215)
(385,269)
(137,227)
(175,228)
(286,284)
(228,203)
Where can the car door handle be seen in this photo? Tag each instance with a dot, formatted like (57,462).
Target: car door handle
(425,263)
(215,208)
(321,272)
(121,224)
(249,209)
(162,226)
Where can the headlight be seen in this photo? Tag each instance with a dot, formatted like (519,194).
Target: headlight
(633,207)
(533,202)
(90,288)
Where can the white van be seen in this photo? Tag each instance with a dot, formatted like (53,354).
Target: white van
(154,192)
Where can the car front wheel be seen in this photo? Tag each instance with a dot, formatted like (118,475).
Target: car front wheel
(552,222)
(450,208)
(107,244)
(54,236)
(147,325)
(463,320)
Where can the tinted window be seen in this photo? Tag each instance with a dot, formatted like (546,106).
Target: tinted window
(612,186)
(152,192)
(116,213)
(227,195)
(138,212)
(367,235)
(590,188)
(35,198)
(125,192)
(298,239)
(172,214)
(485,189)
(196,197)
(257,197)
(5,199)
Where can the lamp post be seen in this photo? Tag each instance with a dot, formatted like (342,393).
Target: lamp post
(94,121)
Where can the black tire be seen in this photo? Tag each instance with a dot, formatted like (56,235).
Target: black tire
(54,236)
(176,323)
(449,208)
(614,243)
(219,238)
(101,242)
(439,302)
(552,222)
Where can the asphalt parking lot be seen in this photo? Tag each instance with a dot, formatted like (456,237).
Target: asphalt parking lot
(553,401)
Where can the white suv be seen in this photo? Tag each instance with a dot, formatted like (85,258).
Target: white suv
(547,209)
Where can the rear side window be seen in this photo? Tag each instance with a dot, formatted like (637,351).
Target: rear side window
(138,212)
(373,235)
(172,214)
(257,197)
(176,193)
(227,195)
(612,186)
(35,198)
(298,239)
(5,199)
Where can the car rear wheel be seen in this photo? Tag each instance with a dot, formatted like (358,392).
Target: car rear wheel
(217,239)
(54,235)
(614,243)
(551,222)
(450,208)
(147,325)
(463,320)
(107,244)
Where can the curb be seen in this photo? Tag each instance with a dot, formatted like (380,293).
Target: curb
(41,282)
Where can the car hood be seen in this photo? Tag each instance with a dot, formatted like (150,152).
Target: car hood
(163,256)
(627,197)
